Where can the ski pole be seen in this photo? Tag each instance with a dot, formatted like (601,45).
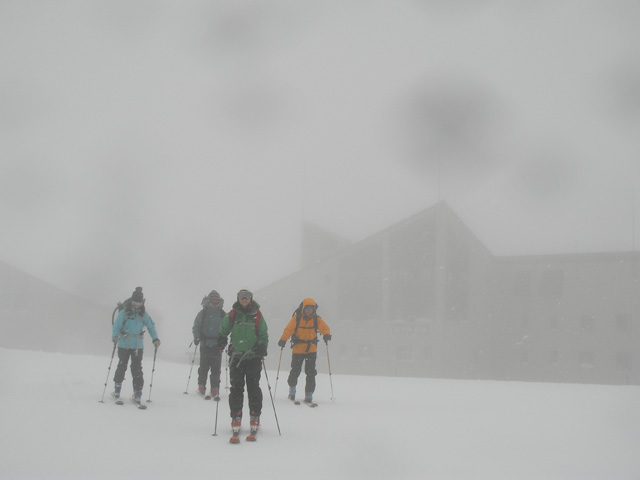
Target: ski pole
(215,426)
(108,372)
(226,370)
(272,404)
(329,363)
(275,388)
(186,389)
(155,352)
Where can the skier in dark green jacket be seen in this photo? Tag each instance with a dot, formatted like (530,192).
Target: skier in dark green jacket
(249,340)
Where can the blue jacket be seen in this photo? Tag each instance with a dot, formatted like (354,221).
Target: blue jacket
(131,334)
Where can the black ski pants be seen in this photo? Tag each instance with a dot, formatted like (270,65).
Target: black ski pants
(210,360)
(135,354)
(309,360)
(241,371)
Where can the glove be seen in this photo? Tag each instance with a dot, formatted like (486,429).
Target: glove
(115,340)
(222,342)
(282,343)
(156,342)
(261,350)
(326,337)
(196,341)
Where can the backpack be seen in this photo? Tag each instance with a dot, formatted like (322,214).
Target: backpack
(119,307)
(204,313)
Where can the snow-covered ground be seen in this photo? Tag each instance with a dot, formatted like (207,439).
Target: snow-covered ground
(54,427)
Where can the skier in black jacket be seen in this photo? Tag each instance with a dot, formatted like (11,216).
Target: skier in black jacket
(205,333)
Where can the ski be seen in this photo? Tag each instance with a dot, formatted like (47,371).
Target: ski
(311,403)
(206,396)
(140,405)
(118,400)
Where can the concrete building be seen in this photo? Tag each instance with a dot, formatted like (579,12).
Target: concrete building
(426,298)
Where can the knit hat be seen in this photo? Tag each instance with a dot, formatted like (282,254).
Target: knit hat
(137,295)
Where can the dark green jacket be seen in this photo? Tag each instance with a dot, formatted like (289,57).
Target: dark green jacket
(244,337)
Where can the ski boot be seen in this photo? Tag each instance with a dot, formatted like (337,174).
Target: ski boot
(254,423)
(308,399)
(116,394)
(235,426)
(292,395)
(137,399)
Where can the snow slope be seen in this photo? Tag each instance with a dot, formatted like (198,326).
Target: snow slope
(54,427)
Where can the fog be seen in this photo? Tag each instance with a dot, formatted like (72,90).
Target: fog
(180,145)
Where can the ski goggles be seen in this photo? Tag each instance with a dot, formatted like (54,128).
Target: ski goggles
(136,305)
(242,294)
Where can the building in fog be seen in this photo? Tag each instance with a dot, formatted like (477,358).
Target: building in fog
(35,315)
(426,298)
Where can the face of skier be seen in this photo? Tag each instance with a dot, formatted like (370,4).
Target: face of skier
(308,311)
(213,303)
(136,305)
(244,298)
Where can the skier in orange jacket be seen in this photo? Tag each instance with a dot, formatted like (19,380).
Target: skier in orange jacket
(303,329)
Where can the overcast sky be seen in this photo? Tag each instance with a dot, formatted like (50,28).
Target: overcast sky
(180,145)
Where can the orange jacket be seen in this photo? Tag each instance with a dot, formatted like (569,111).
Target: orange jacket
(305,333)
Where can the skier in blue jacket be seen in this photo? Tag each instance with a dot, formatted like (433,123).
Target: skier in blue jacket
(127,333)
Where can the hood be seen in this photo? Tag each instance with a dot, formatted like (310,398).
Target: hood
(309,302)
